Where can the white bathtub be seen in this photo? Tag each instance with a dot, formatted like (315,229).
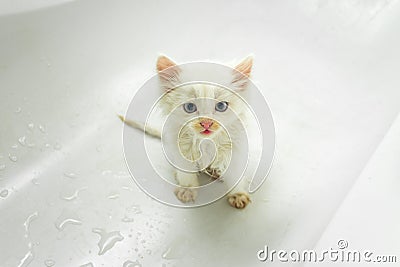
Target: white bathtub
(328,69)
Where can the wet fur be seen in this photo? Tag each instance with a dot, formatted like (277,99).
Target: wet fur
(190,135)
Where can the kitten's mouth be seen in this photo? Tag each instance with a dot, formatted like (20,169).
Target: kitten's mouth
(206,131)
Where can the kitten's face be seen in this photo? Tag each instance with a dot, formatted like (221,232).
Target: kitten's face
(203,107)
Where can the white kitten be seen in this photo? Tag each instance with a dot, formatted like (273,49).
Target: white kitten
(210,104)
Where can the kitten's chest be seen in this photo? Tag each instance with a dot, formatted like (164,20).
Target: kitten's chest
(190,146)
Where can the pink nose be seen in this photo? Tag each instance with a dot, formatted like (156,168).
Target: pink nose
(206,124)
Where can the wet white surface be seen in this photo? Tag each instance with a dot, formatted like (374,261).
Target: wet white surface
(367,219)
(328,70)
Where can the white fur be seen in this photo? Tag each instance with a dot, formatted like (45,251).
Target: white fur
(205,96)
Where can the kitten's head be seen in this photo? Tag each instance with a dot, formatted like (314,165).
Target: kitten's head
(212,104)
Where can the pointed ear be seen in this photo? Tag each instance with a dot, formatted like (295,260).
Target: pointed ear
(242,72)
(163,63)
(245,66)
(168,72)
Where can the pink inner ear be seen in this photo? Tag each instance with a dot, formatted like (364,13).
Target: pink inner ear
(168,72)
(242,73)
(163,63)
(245,66)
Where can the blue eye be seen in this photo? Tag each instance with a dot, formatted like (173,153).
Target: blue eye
(189,107)
(221,106)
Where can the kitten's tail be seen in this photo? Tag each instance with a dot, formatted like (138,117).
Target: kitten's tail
(140,126)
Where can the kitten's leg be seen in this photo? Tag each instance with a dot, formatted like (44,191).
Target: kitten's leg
(239,197)
(187,180)
(217,168)
(213,172)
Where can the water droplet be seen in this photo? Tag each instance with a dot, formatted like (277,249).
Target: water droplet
(18,110)
(2,167)
(113,196)
(42,128)
(135,209)
(57,146)
(13,158)
(61,225)
(4,193)
(30,145)
(131,264)
(66,218)
(106,172)
(107,240)
(127,188)
(166,254)
(148,251)
(74,195)
(126,219)
(35,181)
(70,175)
(26,260)
(122,174)
(22,140)
(49,263)
(89,264)
(31,126)
(28,222)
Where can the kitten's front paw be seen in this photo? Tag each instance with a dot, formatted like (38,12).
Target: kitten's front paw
(239,200)
(213,173)
(185,194)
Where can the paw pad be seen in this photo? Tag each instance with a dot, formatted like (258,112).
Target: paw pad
(213,173)
(185,195)
(239,200)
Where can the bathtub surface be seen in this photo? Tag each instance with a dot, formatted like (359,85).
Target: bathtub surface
(329,70)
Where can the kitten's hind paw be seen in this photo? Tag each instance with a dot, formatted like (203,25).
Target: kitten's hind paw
(239,200)
(185,194)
